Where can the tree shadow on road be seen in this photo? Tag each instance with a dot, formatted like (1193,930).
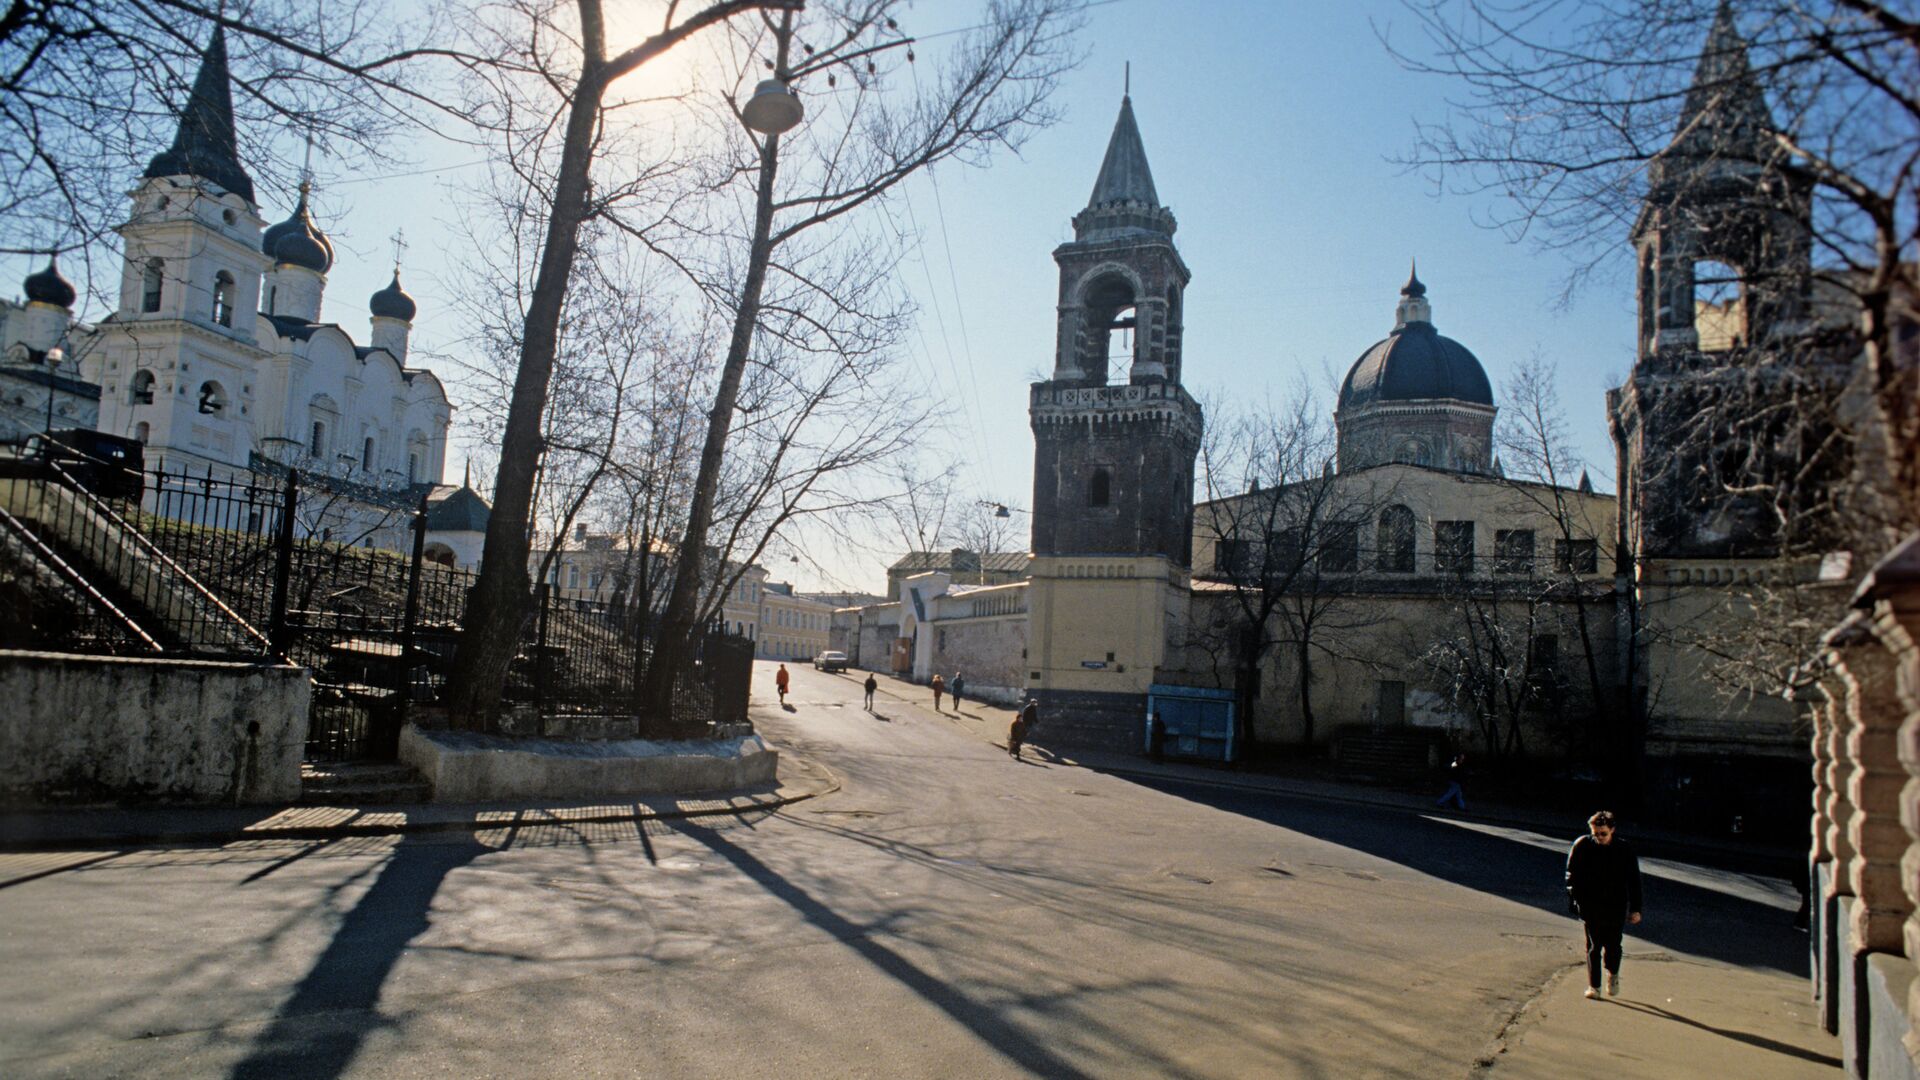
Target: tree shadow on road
(321,1027)
(983,1020)
(1680,915)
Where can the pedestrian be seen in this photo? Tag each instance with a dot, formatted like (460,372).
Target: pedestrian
(780,680)
(1029,719)
(872,684)
(1017,735)
(939,687)
(1603,887)
(1156,737)
(958,684)
(1455,794)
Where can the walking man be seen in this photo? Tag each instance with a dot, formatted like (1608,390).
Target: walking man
(1603,885)
(1455,794)
(780,679)
(872,684)
(958,684)
(939,687)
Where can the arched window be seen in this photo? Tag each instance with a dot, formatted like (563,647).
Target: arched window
(413,468)
(1396,540)
(1107,305)
(213,398)
(366,454)
(223,295)
(1649,303)
(1719,306)
(273,300)
(140,431)
(1100,488)
(1412,452)
(150,280)
(140,390)
(317,443)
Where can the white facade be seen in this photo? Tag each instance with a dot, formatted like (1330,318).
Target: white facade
(190,365)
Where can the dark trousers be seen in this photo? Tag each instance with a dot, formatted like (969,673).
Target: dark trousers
(1603,945)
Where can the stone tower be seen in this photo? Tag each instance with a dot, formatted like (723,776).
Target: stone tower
(1114,433)
(1115,438)
(1723,250)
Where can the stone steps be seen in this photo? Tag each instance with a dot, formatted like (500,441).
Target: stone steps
(361,783)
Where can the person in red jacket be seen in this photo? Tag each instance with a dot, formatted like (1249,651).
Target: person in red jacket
(1603,886)
(780,680)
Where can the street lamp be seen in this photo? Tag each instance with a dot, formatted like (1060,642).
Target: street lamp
(54,356)
(774,108)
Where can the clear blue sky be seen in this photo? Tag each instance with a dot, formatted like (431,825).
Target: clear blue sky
(1269,127)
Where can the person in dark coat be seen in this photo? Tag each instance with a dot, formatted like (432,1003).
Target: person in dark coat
(872,684)
(1603,886)
(955,687)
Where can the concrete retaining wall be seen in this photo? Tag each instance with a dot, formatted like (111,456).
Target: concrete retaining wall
(78,729)
(466,767)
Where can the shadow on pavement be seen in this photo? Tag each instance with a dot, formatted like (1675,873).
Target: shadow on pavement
(1681,916)
(320,1029)
(1029,1052)
(1761,1041)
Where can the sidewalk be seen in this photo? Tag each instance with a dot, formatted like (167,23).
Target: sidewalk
(39,830)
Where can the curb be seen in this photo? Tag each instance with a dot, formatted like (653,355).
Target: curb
(350,830)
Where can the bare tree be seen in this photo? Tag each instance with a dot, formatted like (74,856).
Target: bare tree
(795,219)
(1287,535)
(90,89)
(1571,115)
(546,98)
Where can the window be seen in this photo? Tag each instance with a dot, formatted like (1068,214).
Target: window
(1513,551)
(223,295)
(1340,554)
(1395,554)
(1100,489)
(1719,308)
(140,390)
(413,468)
(1284,551)
(213,398)
(140,431)
(366,454)
(573,577)
(273,300)
(150,280)
(317,442)
(1453,546)
(1229,556)
(1576,556)
(1543,653)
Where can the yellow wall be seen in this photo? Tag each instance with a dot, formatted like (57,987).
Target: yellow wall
(1082,608)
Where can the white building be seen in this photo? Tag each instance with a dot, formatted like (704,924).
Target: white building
(217,350)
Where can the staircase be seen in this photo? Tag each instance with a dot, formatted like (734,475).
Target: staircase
(361,783)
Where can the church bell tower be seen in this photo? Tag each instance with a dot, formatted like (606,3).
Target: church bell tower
(1115,437)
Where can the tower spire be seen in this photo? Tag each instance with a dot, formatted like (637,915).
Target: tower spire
(1124,175)
(204,144)
(1725,113)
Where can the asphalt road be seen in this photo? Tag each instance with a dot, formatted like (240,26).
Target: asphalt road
(949,912)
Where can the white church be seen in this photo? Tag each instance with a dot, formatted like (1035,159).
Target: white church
(217,355)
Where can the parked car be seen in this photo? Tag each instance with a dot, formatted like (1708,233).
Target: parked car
(831,660)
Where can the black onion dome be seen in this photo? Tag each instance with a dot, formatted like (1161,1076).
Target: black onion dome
(392,302)
(1416,363)
(49,287)
(297,241)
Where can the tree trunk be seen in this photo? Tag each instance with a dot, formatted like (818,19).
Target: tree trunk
(679,623)
(1306,693)
(498,607)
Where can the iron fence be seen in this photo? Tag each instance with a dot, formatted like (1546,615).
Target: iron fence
(271,563)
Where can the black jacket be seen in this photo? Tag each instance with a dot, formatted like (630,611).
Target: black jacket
(1603,880)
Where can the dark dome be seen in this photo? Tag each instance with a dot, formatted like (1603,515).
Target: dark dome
(297,242)
(1415,363)
(392,302)
(49,287)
